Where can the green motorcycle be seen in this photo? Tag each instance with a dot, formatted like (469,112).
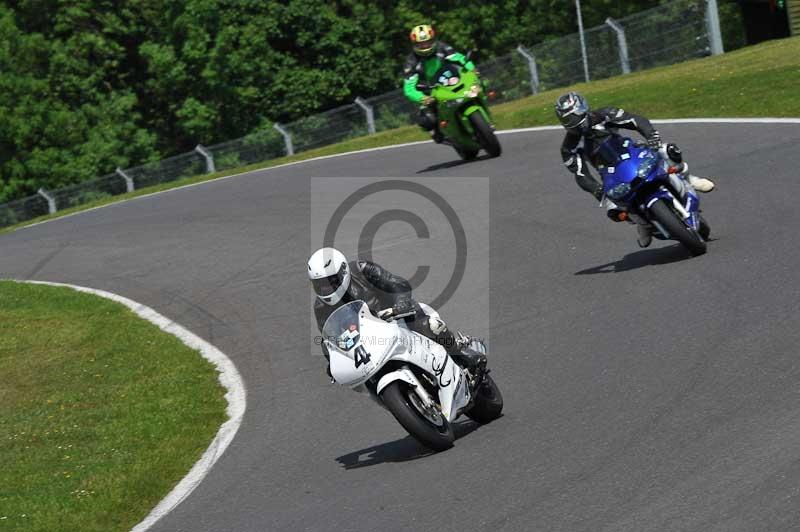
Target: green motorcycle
(463,110)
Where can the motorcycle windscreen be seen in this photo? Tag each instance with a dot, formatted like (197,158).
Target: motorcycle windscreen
(610,151)
(342,329)
(622,163)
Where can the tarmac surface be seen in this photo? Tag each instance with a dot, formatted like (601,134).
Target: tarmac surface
(644,390)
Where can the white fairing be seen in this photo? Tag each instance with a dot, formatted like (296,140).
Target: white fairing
(360,345)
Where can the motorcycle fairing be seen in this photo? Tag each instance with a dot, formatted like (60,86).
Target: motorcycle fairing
(382,342)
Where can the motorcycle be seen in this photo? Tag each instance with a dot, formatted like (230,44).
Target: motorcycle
(462,104)
(647,187)
(408,374)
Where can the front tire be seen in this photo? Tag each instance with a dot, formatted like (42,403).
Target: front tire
(397,398)
(485,134)
(488,402)
(678,230)
(705,229)
(467,155)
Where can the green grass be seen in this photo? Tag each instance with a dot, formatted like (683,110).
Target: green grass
(101,413)
(759,81)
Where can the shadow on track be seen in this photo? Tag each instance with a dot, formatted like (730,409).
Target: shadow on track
(401,450)
(640,259)
(452,164)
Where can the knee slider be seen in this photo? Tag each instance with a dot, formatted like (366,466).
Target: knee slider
(674,153)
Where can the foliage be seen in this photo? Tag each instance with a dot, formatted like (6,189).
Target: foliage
(89,85)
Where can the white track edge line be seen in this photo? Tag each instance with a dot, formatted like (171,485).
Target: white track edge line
(229,378)
(406,144)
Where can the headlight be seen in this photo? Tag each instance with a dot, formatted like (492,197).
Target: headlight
(619,191)
(474,91)
(646,167)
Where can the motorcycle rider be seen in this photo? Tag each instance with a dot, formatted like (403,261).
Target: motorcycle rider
(427,57)
(337,282)
(593,127)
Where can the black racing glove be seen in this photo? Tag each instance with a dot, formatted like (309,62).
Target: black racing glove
(598,193)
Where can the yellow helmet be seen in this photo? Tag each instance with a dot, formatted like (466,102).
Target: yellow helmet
(423,38)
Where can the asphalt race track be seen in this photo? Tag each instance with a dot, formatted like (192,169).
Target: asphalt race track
(645,391)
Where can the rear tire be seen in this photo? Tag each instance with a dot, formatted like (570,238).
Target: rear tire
(488,402)
(678,230)
(485,134)
(396,398)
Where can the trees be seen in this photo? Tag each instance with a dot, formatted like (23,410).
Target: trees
(88,85)
(67,109)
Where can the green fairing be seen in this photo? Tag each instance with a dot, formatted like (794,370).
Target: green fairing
(431,66)
(460,93)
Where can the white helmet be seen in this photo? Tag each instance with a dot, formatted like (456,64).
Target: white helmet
(329,274)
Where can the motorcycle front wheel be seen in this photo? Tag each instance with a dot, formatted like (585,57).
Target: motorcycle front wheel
(467,154)
(431,430)
(678,230)
(705,229)
(485,134)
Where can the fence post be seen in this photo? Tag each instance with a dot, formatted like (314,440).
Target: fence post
(623,44)
(712,22)
(361,102)
(128,180)
(51,201)
(287,138)
(210,168)
(583,41)
(532,68)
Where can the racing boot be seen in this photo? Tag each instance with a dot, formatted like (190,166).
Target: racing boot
(700,184)
(437,136)
(674,155)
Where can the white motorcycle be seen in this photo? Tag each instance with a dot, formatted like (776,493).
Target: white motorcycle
(410,375)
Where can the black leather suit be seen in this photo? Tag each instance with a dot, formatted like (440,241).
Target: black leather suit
(381,289)
(600,125)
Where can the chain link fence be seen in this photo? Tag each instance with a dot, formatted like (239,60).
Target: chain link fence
(671,33)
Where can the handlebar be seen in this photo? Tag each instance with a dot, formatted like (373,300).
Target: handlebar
(388,315)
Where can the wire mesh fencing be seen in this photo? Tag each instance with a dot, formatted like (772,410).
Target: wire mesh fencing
(255,148)
(671,33)
(330,127)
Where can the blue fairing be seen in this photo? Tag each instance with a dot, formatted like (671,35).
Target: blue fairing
(626,167)
(634,177)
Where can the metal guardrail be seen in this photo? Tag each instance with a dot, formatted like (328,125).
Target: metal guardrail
(671,33)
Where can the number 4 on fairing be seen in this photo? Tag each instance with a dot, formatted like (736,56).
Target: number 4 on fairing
(361,356)
(411,376)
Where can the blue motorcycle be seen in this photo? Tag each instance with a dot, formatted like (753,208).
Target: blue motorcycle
(649,191)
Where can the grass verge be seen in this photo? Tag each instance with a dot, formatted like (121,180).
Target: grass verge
(756,81)
(101,413)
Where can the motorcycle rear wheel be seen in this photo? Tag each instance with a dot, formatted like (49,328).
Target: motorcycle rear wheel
(485,134)
(678,230)
(397,397)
